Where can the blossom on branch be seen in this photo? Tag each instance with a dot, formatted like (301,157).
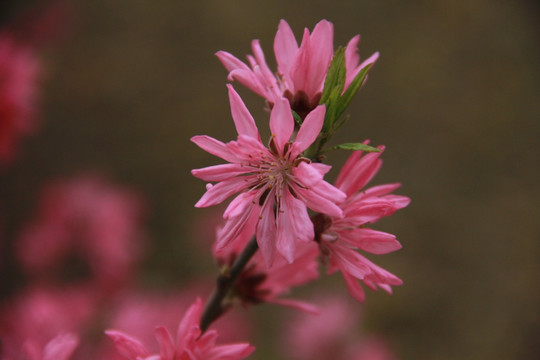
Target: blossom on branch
(276,182)
(190,342)
(301,70)
(339,238)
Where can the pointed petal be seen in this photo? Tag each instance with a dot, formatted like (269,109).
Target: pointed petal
(310,129)
(221,191)
(230,61)
(230,352)
(249,80)
(188,329)
(219,172)
(285,47)
(214,147)
(165,341)
(281,123)
(240,204)
(321,52)
(266,231)
(318,203)
(373,241)
(245,125)
(355,289)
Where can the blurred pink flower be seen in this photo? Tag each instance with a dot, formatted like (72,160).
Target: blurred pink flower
(340,237)
(59,348)
(37,315)
(87,218)
(333,334)
(190,343)
(19,71)
(277,176)
(301,70)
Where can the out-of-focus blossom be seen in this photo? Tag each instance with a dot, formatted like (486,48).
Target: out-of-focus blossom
(40,314)
(258,284)
(190,343)
(301,70)
(333,334)
(87,219)
(19,71)
(59,348)
(339,238)
(276,182)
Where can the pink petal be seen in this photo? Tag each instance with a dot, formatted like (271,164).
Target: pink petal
(307,174)
(245,125)
(346,170)
(249,80)
(266,231)
(321,53)
(309,130)
(219,172)
(221,191)
(281,123)
(240,204)
(373,241)
(317,202)
(381,189)
(166,343)
(300,69)
(234,227)
(230,61)
(354,287)
(266,74)
(214,147)
(285,47)
(230,352)
(127,346)
(188,329)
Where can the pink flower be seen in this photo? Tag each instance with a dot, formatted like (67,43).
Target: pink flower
(257,284)
(301,70)
(86,217)
(190,343)
(339,238)
(276,182)
(19,70)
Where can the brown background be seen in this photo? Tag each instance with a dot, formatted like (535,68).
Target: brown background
(454,97)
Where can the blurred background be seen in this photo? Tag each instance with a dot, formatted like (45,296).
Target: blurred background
(454,96)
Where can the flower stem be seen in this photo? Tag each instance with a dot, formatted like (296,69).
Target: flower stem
(214,306)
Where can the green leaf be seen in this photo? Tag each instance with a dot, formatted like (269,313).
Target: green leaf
(297,117)
(355,146)
(336,75)
(351,91)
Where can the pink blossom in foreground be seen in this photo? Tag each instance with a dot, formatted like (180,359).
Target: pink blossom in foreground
(257,284)
(333,334)
(19,70)
(276,182)
(339,238)
(301,70)
(190,342)
(88,218)
(59,348)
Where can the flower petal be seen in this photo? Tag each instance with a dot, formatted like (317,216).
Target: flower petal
(245,125)
(217,193)
(127,346)
(285,47)
(214,147)
(281,123)
(310,129)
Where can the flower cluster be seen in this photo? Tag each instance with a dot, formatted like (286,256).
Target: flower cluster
(281,197)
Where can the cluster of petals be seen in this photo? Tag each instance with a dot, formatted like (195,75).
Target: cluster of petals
(301,69)
(275,182)
(86,217)
(340,237)
(19,70)
(258,284)
(190,342)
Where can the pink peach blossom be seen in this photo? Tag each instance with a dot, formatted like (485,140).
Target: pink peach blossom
(301,70)
(259,284)
(339,238)
(86,217)
(59,348)
(276,182)
(190,342)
